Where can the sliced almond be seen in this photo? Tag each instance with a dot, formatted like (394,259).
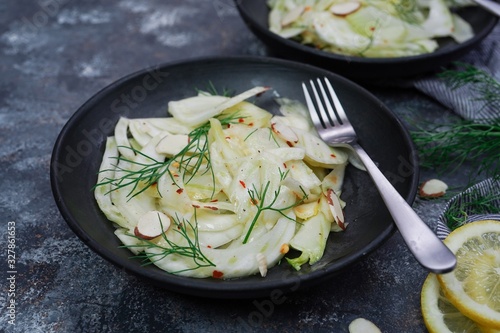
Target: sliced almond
(433,188)
(292,15)
(285,132)
(345,8)
(336,208)
(362,325)
(151,225)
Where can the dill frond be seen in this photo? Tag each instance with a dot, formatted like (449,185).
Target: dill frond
(191,249)
(447,147)
(258,198)
(479,81)
(192,159)
(472,203)
(212,90)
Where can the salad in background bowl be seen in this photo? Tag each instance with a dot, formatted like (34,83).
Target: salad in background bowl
(371,29)
(367,40)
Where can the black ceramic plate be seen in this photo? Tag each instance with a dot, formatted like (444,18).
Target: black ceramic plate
(255,14)
(78,153)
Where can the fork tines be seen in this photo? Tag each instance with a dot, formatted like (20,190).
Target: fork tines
(324,114)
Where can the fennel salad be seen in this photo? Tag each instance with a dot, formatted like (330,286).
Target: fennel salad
(222,188)
(370,28)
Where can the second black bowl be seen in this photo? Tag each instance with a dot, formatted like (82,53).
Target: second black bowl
(255,14)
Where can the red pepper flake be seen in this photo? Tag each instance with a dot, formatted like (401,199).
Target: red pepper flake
(372,28)
(215,200)
(254,201)
(209,246)
(251,124)
(333,155)
(243,184)
(228,125)
(290,144)
(217,274)
(211,207)
(241,120)
(228,138)
(179,191)
(284,165)
(196,206)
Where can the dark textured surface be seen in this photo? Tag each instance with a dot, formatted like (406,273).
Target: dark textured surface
(54,56)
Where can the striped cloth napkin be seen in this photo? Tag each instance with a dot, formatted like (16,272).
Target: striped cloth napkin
(463,101)
(487,188)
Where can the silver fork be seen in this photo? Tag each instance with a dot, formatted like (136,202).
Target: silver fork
(336,130)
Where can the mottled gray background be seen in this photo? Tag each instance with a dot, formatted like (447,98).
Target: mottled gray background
(54,55)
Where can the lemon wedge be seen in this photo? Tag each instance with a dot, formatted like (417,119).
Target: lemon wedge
(473,287)
(440,315)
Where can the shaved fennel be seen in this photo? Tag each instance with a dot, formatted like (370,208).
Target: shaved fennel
(369,28)
(239,185)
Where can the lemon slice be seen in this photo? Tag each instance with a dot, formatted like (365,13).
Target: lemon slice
(473,287)
(440,316)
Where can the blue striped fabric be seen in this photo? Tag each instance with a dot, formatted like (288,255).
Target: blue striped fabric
(463,101)
(487,187)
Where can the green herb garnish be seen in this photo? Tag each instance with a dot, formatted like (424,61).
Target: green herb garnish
(212,90)
(472,203)
(191,249)
(447,147)
(479,81)
(258,198)
(192,159)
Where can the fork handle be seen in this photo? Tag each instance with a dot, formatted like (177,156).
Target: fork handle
(427,248)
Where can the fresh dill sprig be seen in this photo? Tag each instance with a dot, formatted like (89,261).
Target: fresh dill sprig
(258,198)
(193,159)
(212,90)
(472,203)
(147,175)
(191,249)
(447,147)
(479,81)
